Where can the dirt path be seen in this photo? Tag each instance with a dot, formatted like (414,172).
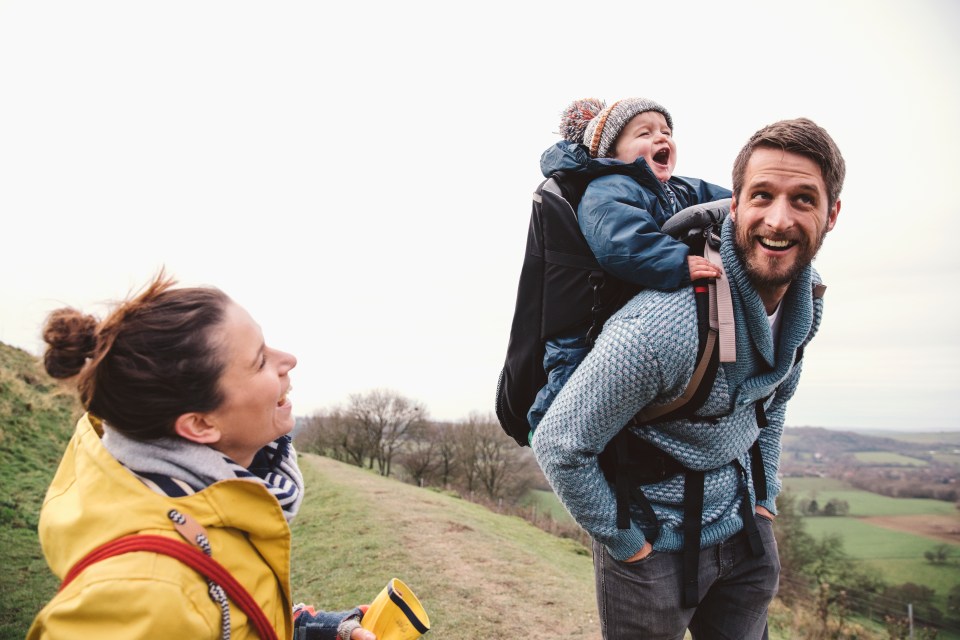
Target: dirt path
(940,528)
(497,576)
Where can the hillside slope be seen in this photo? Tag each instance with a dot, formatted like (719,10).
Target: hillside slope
(479,574)
(36,419)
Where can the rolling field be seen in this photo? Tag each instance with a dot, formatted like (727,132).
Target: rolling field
(863,503)
(889,535)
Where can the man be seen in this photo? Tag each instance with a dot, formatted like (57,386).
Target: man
(786,183)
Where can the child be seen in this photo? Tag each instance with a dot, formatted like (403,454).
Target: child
(627,151)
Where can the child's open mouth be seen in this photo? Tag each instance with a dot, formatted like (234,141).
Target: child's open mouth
(662,156)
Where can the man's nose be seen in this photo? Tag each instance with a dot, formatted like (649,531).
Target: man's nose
(778,215)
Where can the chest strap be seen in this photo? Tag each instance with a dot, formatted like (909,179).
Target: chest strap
(190,556)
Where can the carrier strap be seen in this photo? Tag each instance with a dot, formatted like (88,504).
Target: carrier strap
(190,556)
(692,510)
(721,308)
(748,515)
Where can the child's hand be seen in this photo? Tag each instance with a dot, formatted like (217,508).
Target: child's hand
(700,268)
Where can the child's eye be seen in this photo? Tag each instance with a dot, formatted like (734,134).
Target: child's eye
(263,361)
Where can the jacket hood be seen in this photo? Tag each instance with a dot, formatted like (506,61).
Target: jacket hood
(575,158)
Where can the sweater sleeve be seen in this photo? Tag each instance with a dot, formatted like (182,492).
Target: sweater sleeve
(621,375)
(622,228)
(309,624)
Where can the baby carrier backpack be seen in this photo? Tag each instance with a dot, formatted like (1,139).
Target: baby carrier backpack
(562,287)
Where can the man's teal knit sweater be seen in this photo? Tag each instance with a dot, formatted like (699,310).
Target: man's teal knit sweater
(645,356)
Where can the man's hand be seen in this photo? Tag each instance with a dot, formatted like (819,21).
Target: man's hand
(763,511)
(700,268)
(646,550)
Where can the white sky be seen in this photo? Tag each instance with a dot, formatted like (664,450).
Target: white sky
(358,175)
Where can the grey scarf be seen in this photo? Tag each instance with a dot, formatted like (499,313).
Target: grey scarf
(176,467)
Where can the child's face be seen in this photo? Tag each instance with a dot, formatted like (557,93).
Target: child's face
(647,135)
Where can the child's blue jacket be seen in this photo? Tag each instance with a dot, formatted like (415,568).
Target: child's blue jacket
(622,211)
(620,215)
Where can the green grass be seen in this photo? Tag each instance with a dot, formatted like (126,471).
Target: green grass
(468,565)
(547,504)
(895,555)
(36,420)
(863,503)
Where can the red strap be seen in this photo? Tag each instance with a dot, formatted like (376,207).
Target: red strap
(194,558)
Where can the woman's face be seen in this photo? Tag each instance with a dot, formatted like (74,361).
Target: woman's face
(255,410)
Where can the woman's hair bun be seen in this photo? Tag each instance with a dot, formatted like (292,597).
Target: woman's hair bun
(71,339)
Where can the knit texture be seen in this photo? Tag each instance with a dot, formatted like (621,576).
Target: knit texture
(645,356)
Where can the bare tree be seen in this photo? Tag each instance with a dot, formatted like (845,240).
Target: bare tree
(331,433)
(422,458)
(491,461)
(383,418)
(447,465)
(465,437)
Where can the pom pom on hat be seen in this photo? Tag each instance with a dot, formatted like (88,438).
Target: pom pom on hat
(576,117)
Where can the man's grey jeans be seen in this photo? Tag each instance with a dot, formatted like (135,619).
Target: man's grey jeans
(642,600)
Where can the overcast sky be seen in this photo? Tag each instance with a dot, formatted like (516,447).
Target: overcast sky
(358,174)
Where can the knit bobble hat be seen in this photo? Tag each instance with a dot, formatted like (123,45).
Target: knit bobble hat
(592,123)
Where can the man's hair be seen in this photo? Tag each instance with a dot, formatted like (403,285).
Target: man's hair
(800,136)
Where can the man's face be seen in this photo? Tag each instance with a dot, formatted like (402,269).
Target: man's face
(781,217)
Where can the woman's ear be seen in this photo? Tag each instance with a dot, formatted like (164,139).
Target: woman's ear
(195,427)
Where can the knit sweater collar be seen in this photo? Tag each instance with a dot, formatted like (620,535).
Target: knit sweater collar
(753,328)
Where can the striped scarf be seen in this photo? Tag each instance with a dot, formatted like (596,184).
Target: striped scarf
(176,467)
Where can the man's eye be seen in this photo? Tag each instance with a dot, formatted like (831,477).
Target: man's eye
(761,195)
(805,199)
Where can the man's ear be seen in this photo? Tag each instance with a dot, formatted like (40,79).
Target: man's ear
(733,207)
(195,427)
(832,215)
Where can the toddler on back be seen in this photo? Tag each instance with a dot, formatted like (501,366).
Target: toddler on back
(628,153)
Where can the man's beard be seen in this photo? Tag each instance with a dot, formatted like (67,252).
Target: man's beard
(761,272)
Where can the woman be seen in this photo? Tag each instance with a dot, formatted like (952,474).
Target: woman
(186,437)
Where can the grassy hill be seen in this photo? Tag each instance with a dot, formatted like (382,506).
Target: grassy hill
(36,419)
(478,573)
